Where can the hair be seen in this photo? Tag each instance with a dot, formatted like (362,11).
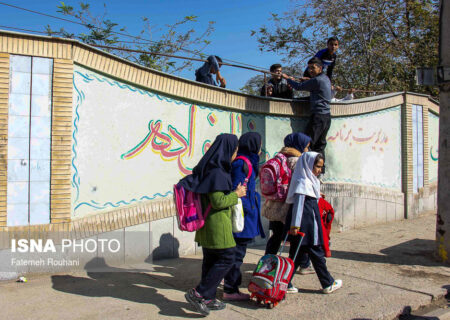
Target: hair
(274,66)
(332,39)
(318,158)
(316,61)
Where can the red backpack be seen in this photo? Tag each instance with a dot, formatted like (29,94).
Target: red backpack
(274,177)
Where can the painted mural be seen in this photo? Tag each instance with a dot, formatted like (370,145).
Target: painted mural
(365,149)
(133,145)
(433,144)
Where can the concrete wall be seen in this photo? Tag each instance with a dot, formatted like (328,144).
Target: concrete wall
(145,137)
(433,146)
(359,206)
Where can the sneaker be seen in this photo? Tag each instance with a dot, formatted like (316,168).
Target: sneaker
(336,285)
(197,302)
(291,289)
(215,304)
(307,270)
(238,296)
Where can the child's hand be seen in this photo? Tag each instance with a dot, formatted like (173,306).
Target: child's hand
(241,190)
(294,230)
(329,217)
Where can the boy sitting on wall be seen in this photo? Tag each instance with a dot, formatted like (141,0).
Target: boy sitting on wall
(210,67)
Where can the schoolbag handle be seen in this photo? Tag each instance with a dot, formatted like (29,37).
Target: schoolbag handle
(249,166)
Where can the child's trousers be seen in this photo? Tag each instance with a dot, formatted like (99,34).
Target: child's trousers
(216,264)
(278,234)
(317,257)
(233,279)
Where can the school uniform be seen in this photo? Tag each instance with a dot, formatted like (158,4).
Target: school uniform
(249,146)
(277,211)
(211,178)
(304,193)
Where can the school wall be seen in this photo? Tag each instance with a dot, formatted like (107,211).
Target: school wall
(122,135)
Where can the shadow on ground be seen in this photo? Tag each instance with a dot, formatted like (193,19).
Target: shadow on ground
(413,252)
(140,285)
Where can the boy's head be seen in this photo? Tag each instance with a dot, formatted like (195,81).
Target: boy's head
(315,67)
(219,60)
(333,45)
(276,68)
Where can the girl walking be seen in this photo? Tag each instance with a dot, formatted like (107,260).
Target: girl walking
(276,211)
(211,178)
(304,193)
(249,148)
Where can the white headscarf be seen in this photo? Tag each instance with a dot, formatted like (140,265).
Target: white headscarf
(303,180)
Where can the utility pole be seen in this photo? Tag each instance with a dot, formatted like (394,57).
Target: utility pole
(443,214)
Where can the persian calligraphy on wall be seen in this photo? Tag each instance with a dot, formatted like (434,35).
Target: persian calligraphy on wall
(365,149)
(132,145)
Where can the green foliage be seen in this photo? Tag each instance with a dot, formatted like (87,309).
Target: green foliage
(381,42)
(253,85)
(176,38)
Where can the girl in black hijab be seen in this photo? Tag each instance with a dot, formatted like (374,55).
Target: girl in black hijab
(250,148)
(211,178)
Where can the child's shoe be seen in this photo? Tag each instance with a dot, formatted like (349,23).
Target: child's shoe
(291,288)
(238,296)
(215,304)
(197,301)
(307,270)
(336,285)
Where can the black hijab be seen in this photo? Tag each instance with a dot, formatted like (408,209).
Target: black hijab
(212,173)
(297,140)
(249,146)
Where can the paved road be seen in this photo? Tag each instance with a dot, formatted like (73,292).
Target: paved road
(386,269)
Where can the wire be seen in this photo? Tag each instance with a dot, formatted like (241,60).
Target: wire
(86,25)
(118,33)
(243,66)
(27,30)
(177,57)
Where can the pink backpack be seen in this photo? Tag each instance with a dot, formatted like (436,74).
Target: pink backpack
(275,177)
(190,214)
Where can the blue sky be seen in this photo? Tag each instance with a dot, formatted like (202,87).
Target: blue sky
(231,38)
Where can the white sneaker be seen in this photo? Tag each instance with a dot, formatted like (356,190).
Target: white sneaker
(291,289)
(336,285)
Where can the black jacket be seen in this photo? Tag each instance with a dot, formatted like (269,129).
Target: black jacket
(280,89)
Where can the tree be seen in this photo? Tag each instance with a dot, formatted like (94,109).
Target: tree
(173,38)
(253,85)
(381,41)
